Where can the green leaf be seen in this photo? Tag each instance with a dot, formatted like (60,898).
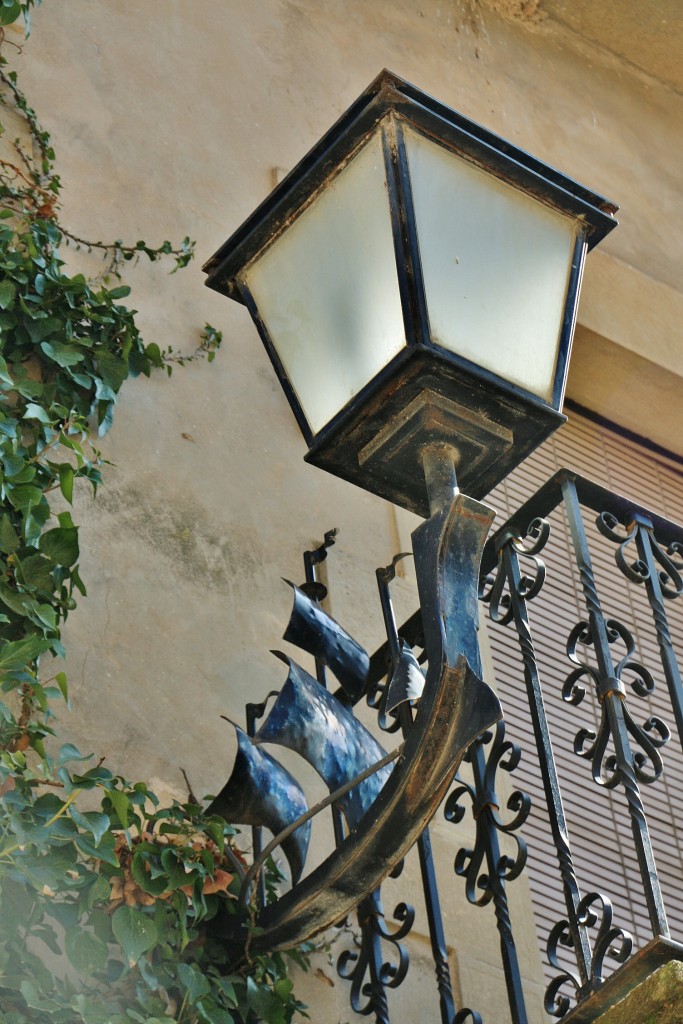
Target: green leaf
(99,891)
(283,988)
(113,369)
(135,932)
(36,412)
(9,542)
(24,496)
(68,752)
(61,681)
(194,981)
(4,372)
(61,545)
(104,850)
(7,288)
(16,654)
(66,481)
(87,953)
(153,353)
(10,12)
(265,1004)
(36,572)
(41,328)
(92,821)
(64,355)
(12,465)
(121,805)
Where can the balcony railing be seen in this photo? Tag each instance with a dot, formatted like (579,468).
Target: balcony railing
(621,712)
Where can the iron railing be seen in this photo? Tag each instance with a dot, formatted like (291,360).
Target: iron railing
(591,957)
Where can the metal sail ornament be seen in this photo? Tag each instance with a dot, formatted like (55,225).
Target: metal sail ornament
(455,707)
(260,791)
(317,633)
(310,720)
(407,680)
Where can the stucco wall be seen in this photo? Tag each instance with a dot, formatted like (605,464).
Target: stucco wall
(170,118)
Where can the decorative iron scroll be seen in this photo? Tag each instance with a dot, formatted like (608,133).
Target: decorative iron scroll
(658,567)
(610,941)
(368,971)
(622,767)
(485,868)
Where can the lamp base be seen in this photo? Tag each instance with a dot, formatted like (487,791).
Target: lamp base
(379,444)
(429,418)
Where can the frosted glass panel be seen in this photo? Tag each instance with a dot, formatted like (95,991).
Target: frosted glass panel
(496,266)
(327,289)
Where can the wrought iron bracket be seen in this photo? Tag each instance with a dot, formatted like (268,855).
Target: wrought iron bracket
(456,706)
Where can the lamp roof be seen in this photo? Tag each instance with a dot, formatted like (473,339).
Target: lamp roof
(444,125)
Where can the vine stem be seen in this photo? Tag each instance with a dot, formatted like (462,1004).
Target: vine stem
(115,247)
(33,185)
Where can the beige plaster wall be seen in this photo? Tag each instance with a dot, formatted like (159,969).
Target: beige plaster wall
(169,118)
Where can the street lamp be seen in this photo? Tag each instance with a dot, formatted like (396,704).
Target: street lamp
(415,281)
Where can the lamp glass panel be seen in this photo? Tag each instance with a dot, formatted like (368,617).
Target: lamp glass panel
(327,289)
(495,263)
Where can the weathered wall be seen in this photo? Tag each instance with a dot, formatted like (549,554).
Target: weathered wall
(169,119)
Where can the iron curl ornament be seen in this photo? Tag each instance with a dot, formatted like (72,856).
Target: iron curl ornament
(479,866)
(645,561)
(495,588)
(594,745)
(637,569)
(485,867)
(622,765)
(610,941)
(369,972)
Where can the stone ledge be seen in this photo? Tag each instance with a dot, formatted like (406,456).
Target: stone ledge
(626,996)
(657,1000)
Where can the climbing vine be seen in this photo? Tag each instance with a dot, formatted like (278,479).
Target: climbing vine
(105,898)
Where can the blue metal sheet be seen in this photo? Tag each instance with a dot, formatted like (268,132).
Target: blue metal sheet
(260,791)
(310,720)
(317,633)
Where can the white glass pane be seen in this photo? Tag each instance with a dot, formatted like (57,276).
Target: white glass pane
(496,266)
(327,289)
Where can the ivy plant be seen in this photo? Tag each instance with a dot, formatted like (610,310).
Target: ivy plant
(105,897)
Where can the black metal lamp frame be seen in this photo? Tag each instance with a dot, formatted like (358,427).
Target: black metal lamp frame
(425,393)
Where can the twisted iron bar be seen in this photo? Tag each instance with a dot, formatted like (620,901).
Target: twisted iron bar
(404,721)
(484,867)
(508,594)
(622,767)
(662,577)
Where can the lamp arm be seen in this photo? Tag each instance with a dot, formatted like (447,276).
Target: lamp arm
(456,706)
